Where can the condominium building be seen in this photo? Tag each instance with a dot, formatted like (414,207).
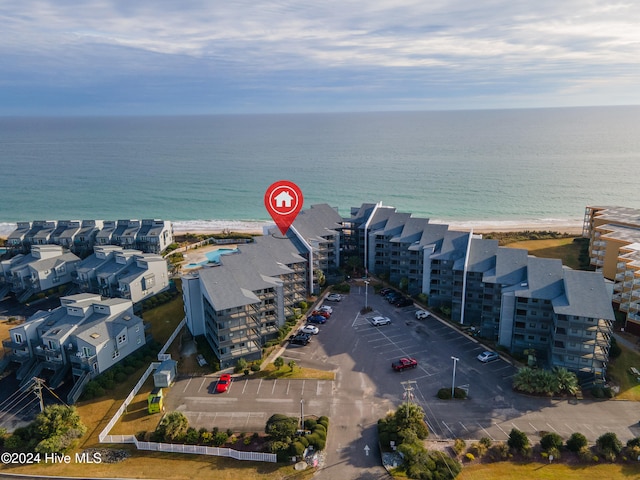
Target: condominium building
(113,271)
(86,335)
(240,304)
(614,250)
(147,235)
(521,302)
(45,267)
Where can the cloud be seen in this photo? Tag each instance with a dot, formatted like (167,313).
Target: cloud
(330,48)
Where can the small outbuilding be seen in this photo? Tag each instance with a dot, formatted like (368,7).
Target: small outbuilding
(165,374)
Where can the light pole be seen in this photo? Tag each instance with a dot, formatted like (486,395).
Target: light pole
(366,294)
(453,383)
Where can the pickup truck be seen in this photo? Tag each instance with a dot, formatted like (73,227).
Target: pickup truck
(404,363)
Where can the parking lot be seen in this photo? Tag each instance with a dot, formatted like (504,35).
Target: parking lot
(366,387)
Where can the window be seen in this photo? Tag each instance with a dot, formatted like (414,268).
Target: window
(86,352)
(139,340)
(116,354)
(122,338)
(17,337)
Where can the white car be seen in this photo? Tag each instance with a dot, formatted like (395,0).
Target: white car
(486,357)
(311,329)
(377,321)
(334,297)
(422,314)
(326,308)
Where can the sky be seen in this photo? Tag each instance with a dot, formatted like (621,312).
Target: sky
(129,57)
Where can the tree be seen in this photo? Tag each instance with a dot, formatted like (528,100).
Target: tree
(567,381)
(550,441)
(609,443)
(55,429)
(292,364)
(576,442)
(173,426)
(281,428)
(278,363)
(518,440)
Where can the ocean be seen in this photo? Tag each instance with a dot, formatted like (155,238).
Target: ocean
(210,172)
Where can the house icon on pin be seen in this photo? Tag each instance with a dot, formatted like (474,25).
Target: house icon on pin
(283,199)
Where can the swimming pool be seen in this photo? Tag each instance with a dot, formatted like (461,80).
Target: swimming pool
(212,257)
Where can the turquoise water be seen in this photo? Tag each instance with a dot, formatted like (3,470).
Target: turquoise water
(210,172)
(212,257)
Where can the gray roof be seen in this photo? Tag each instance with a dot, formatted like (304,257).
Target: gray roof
(585,295)
(99,328)
(412,230)
(318,221)
(510,267)
(482,255)
(544,279)
(454,246)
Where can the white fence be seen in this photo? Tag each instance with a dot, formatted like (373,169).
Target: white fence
(104,436)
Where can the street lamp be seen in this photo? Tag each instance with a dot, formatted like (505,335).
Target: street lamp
(453,383)
(366,294)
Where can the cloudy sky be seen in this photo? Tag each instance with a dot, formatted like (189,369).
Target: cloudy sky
(254,56)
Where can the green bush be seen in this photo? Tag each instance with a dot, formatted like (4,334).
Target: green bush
(309,423)
(459,445)
(576,442)
(609,443)
(296,449)
(551,441)
(498,452)
(518,441)
(478,449)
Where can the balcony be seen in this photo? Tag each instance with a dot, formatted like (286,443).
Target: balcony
(85,362)
(10,344)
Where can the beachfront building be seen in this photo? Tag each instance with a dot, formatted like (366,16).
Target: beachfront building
(614,250)
(241,303)
(521,302)
(45,267)
(147,235)
(113,271)
(86,335)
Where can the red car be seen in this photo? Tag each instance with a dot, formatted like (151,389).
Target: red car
(325,314)
(404,363)
(224,383)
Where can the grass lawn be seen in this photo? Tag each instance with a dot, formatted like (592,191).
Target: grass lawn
(563,248)
(270,371)
(545,471)
(618,372)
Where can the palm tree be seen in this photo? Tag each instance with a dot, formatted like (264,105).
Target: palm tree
(567,381)
(523,380)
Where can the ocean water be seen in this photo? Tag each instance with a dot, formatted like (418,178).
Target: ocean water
(460,167)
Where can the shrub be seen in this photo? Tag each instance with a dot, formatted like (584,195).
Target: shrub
(486,441)
(296,449)
(309,423)
(219,439)
(518,440)
(459,446)
(551,441)
(609,443)
(241,365)
(498,452)
(576,442)
(634,442)
(303,440)
(478,449)
(585,455)
(470,457)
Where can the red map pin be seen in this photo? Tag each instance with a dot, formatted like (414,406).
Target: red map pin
(283,200)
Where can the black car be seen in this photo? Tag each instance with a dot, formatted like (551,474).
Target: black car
(300,339)
(393,295)
(385,291)
(403,302)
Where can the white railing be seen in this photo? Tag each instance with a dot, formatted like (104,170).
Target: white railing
(104,436)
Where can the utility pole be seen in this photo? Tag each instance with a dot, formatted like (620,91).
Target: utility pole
(453,382)
(408,389)
(37,387)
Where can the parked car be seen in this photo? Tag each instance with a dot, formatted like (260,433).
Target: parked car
(404,363)
(334,297)
(377,321)
(317,319)
(310,329)
(487,356)
(300,339)
(326,308)
(385,291)
(393,296)
(422,314)
(403,302)
(223,383)
(324,313)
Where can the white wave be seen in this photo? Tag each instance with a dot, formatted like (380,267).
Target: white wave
(211,226)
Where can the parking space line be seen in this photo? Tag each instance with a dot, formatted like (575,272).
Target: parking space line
(500,428)
(274,386)
(302,392)
(259,385)
(447,427)
(551,427)
(288,385)
(462,425)
(204,379)
(534,428)
(187,385)
(246,382)
(485,431)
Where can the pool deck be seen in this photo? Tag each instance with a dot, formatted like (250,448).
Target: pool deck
(199,255)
